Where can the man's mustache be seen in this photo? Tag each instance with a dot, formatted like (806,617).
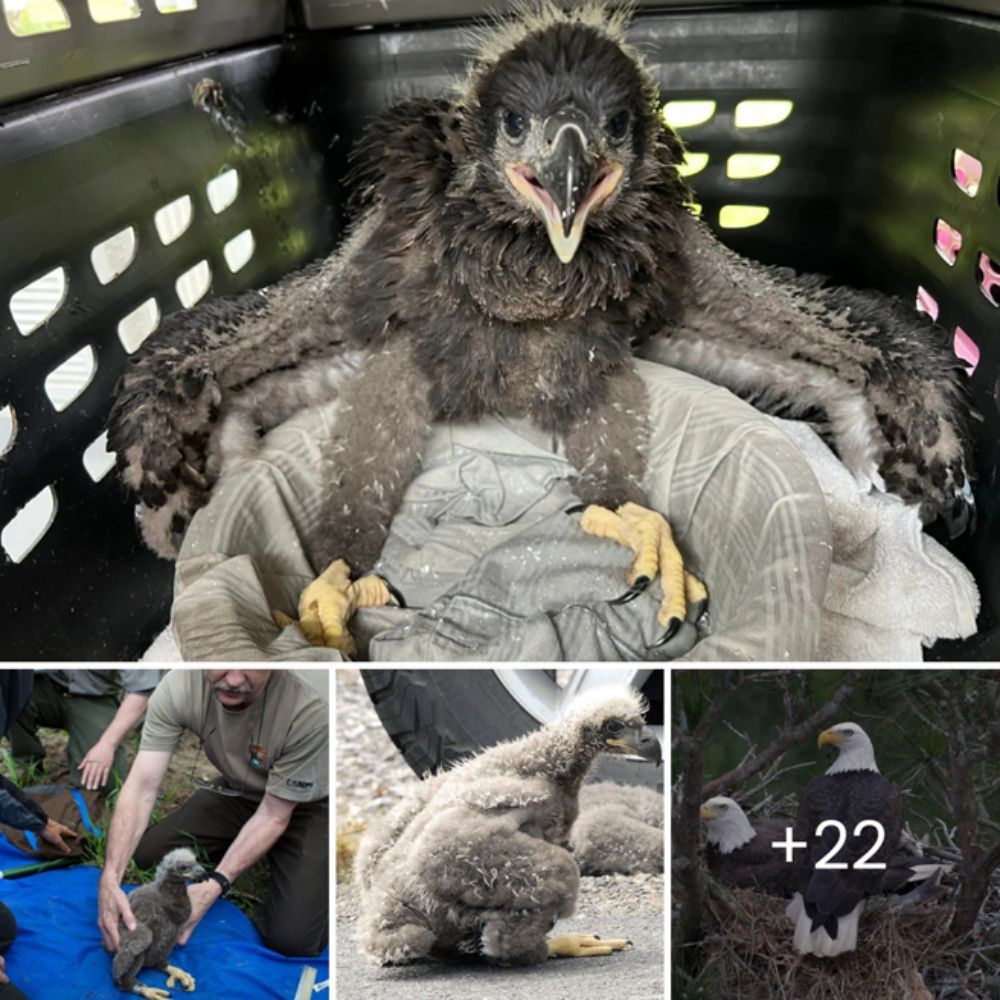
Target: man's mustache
(238,689)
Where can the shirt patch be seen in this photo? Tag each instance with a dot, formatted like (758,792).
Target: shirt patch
(296,783)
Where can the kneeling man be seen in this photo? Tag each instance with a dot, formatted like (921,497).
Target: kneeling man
(267,732)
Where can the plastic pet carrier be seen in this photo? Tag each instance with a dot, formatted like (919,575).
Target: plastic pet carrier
(155,152)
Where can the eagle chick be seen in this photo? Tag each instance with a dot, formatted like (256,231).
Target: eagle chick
(161,909)
(476,861)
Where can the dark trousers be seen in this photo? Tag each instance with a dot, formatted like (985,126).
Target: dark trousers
(84,717)
(295,917)
(8,931)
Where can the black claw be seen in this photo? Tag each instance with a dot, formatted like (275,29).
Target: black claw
(642,582)
(672,628)
(577,508)
(630,595)
(395,594)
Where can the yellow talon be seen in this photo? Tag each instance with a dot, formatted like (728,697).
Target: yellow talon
(584,945)
(648,535)
(150,992)
(175,976)
(329,603)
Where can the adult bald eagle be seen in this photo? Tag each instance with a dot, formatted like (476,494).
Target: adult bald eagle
(476,862)
(829,901)
(739,852)
(516,245)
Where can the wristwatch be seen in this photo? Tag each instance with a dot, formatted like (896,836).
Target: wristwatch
(224,883)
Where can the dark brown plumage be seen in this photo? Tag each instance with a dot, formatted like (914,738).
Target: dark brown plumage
(160,909)
(450,294)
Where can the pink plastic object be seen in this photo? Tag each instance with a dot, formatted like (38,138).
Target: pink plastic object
(989,284)
(967,171)
(926,303)
(947,242)
(966,349)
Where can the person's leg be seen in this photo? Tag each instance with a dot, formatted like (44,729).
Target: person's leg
(46,708)
(8,927)
(295,919)
(87,717)
(207,822)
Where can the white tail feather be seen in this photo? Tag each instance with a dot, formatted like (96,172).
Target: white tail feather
(818,942)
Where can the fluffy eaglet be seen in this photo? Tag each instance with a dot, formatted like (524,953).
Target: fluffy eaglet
(476,860)
(516,245)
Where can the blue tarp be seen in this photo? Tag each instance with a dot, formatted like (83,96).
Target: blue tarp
(58,953)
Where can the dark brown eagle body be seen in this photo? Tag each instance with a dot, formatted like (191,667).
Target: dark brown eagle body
(450,294)
(756,864)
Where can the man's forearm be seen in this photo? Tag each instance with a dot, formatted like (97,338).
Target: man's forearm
(128,824)
(258,835)
(130,711)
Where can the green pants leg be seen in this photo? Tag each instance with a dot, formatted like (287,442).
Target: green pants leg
(87,716)
(46,708)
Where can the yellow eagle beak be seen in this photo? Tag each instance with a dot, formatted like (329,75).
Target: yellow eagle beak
(829,738)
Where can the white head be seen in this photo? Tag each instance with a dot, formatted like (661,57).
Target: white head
(726,825)
(180,863)
(854,750)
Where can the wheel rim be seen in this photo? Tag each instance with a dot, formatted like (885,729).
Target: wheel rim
(545,698)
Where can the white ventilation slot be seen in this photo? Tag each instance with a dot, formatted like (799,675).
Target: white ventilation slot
(97,460)
(239,250)
(107,11)
(36,303)
(114,255)
(28,526)
(35,17)
(193,283)
(173,220)
(176,6)
(138,325)
(222,190)
(8,429)
(65,383)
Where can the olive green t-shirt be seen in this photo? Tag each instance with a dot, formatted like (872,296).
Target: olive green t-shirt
(290,720)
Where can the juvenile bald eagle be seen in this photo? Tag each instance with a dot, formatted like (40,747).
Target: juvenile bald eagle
(475,861)
(517,244)
(829,901)
(619,829)
(161,909)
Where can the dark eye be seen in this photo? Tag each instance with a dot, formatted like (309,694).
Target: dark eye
(722,805)
(613,727)
(618,126)
(513,124)
(848,732)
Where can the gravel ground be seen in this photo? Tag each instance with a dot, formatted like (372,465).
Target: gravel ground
(371,778)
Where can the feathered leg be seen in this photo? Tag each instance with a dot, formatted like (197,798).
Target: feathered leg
(608,444)
(382,423)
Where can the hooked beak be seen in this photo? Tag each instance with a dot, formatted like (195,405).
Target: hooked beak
(828,738)
(706,812)
(567,184)
(636,741)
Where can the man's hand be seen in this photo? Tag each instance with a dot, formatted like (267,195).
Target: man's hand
(112,906)
(96,764)
(3,973)
(54,833)
(202,896)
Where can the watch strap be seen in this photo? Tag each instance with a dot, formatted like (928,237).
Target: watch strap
(224,883)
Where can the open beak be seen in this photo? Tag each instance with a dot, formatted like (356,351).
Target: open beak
(828,738)
(565,186)
(636,741)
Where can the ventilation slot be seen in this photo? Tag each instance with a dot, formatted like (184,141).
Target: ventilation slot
(107,11)
(746,166)
(988,272)
(966,349)
(239,250)
(8,429)
(38,17)
(173,220)
(694,163)
(761,114)
(138,325)
(926,303)
(193,283)
(97,460)
(65,383)
(29,525)
(222,190)
(114,255)
(947,242)
(687,114)
(37,303)
(176,6)
(967,172)
(742,216)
